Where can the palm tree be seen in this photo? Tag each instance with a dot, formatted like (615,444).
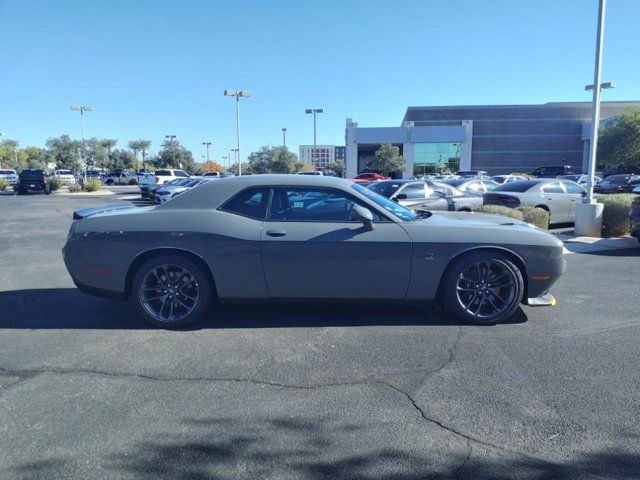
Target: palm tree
(108,144)
(143,146)
(135,146)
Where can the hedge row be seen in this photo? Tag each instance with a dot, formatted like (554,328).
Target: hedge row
(615,215)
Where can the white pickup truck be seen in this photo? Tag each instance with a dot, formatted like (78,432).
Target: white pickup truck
(65,176)
(160,177)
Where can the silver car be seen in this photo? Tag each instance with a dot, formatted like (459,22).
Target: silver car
(306,237)
(556,196)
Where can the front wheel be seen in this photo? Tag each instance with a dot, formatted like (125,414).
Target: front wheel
(172,291)
(483,288)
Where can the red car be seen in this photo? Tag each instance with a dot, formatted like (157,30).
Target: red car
(367,177)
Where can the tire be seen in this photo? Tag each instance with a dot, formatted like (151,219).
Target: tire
(153,294)
(466,296)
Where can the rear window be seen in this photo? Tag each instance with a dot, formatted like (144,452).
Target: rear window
(6,172)
(249,203)
(518,186)
(180,173)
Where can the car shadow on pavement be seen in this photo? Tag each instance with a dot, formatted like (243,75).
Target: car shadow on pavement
(60,308)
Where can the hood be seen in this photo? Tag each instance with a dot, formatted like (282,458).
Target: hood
(472,219)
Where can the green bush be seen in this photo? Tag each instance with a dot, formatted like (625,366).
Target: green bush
(54,184)
(536,216)
(75,188)
(133,181)
(4,184)
(92,185)
(615,215)
(500,210)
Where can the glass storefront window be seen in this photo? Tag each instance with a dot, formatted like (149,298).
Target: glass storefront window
(437,158)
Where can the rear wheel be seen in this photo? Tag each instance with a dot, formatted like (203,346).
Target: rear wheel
(483,288)
(172,291)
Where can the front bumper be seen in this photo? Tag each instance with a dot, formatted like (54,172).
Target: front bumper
(546,300)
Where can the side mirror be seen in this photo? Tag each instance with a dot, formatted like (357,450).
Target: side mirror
(364,215)
(401,196)
(584,194)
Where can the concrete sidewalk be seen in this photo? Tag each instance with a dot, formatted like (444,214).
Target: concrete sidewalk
(573,244)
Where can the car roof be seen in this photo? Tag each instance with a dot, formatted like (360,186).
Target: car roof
(399,180)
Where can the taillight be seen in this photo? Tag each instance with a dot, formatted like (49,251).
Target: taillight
(44,179)
(157,179)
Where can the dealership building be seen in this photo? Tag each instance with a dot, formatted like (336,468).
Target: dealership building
(495,138)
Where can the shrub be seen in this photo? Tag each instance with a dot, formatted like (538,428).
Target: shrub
(92,185)
(133,181)
(54,184)
(615,215)
(75,188)
(500,210)
(536,216)
(3,184)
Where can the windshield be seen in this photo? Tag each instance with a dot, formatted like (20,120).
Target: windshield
(386,189)
(398,210)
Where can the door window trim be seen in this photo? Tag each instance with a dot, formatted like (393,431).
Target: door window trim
(269,189)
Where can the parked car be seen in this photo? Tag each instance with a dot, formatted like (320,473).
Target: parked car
(367,177)
(160,177)
(32,180)
(634,216)
(120,178)
(621,170)
(248,237)
(153,189)
(421,195)
(558,197)
(215,175)
(9,175)
(552,171)
(581,179)
(507,178)
(471,173)
(94,175)
(636,189)
(167,192)
(475,186)
(623,183)
(318,172)
(65,176)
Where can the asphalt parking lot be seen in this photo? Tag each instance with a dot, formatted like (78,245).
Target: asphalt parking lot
(87,390)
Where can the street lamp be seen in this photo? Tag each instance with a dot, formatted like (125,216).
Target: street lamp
(82,109)
(206,144)
(238,94)
(314,111)
(284,136)
(171,139)
(236,158)
(588,221)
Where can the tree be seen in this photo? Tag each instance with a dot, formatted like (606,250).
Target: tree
(233,168)
(31,157)
(96,154)
(337,166)
(140,146)
(274,160)
(387,160)
(619,140)
(9,154)
(174,155)
(63,152)
(122,159)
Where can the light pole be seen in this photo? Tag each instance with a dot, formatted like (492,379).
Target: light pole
(314,111)
(588,220)
(236,158)
(171,139)
(206,144)
(284,136)
(82,109)
(238,94)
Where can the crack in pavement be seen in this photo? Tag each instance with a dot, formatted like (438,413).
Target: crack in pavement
(26,374)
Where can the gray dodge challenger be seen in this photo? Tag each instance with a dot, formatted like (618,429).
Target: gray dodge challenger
(286,237)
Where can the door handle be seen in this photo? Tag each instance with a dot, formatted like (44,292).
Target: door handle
(276,233)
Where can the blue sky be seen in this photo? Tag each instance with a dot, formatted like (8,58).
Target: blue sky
(151,68)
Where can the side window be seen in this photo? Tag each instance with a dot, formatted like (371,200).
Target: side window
(312,205)
(180,173)
(249,203)
(490,186)
(414,190)
(554,187)
(573,188)
(162,172)
(474,187)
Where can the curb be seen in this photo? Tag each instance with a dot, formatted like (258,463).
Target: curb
(573,244)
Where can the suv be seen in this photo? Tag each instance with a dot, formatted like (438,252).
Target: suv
(160,177)
(553,171)
(31,180)
(65,176)
(9,175)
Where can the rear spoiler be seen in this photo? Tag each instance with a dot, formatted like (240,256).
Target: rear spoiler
(87,212)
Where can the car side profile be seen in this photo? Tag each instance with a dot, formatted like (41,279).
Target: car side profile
(556,196)
(284,237)
(476,186)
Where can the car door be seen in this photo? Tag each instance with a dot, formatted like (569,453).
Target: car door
(575,193)
(437,200)
(558,202)
(411,194)
(314,250)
